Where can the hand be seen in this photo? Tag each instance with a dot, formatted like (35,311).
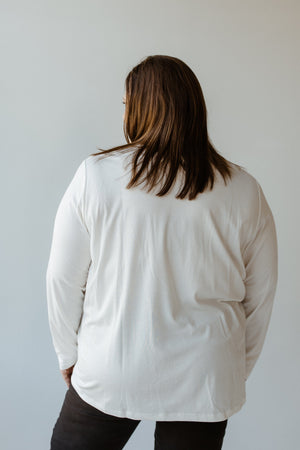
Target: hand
(66,373)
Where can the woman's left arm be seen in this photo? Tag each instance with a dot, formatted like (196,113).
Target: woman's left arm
(67,270)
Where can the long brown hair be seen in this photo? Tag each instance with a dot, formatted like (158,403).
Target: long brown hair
(166,120)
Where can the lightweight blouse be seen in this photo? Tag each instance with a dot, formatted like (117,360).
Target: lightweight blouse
(161,303)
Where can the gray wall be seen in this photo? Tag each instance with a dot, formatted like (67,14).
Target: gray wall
(62,80)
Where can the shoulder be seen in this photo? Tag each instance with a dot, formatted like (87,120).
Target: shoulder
(246,184)
(97,162)
(248,195)
(242,177)
(254,206)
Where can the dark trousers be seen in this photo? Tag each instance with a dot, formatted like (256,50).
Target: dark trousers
(80,426)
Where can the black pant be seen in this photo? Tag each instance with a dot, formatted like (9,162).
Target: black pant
(80,426)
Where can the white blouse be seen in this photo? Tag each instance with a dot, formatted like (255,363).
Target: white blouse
(162,304)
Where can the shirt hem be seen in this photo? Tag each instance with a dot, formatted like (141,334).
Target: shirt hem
(162,416)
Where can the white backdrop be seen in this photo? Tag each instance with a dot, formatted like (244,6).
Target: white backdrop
(64,64)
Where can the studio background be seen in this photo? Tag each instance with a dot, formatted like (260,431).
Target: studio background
(63,68)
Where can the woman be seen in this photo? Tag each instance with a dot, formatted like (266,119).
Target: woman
(161,277)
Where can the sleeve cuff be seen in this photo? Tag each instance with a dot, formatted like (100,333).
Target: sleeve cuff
(66,363)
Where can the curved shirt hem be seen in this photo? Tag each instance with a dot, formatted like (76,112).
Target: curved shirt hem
(125,413)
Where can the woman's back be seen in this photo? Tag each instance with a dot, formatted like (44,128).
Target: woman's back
(170,284)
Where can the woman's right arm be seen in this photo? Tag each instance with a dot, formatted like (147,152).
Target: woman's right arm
(261,264)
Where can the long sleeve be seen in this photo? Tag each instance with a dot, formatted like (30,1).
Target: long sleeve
(67,270)
(261,264)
